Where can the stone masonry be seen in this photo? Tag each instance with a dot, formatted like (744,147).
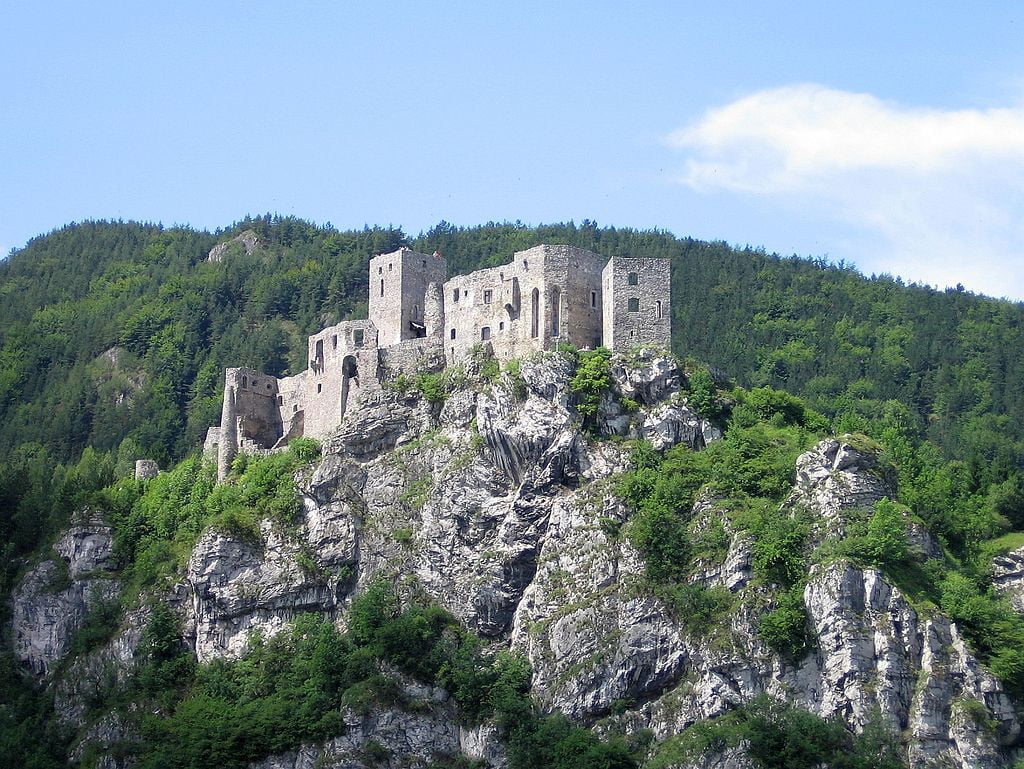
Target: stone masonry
(419,320)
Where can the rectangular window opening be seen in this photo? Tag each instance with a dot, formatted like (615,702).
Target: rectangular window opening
(453,333)
(634,279)
(357,337)
(485,333)
(487,296)
(455,295)
(334,342)
(593,299)
(633,305)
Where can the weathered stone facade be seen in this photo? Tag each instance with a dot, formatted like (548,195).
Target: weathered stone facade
(637,310)
(420,321)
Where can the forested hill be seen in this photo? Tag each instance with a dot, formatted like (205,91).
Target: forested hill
(115,335)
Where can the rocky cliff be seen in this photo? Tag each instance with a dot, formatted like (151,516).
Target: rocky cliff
(500,508)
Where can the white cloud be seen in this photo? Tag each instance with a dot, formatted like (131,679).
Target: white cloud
(937,193)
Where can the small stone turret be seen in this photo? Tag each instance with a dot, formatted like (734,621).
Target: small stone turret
(146,469)
(433,310)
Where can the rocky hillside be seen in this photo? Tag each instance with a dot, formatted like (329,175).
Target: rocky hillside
(509,499)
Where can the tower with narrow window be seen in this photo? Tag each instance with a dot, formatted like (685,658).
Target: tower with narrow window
(637,310)
(398,293)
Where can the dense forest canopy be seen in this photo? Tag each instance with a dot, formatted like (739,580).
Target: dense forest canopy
(115,335)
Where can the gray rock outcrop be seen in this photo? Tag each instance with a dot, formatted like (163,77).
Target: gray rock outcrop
(52,601)
(497,506)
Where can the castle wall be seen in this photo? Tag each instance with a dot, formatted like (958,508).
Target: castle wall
(249,415)
(343,362)
(291,406)
(411,357)
(545,295)
(637,307)
(398,288)
(255,405)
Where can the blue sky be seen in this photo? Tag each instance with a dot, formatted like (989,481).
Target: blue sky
(890,135)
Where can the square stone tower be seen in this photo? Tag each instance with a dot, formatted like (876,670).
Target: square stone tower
(637,306)
(398,290)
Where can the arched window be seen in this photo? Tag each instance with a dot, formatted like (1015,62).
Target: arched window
(535,313)
(556,300)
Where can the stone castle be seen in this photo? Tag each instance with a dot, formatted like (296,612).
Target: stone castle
(421,320)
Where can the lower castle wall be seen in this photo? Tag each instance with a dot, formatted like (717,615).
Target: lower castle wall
(412,357)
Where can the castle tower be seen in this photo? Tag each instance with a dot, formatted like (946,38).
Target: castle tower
(433,312)
(637,303)
(227,448)
(398,293)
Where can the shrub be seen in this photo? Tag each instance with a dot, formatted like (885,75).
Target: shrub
(659,535)
(695,606)
(703,394)
(590,381)
(432,387)
(782,736)
(785,627)
(779,539)
(886,540)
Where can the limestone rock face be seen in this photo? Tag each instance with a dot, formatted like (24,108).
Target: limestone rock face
(835,478)
(1008,577)
(248,240)
(499,507)
(398,739)
(51,603)
(239,587)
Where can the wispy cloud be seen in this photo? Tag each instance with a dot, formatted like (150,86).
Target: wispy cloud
(937,193)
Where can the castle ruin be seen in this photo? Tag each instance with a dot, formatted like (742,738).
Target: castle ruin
(419,319)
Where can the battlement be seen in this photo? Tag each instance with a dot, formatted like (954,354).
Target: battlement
(418,318)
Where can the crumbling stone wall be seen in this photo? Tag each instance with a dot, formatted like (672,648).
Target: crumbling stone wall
(545,295)
(411,357)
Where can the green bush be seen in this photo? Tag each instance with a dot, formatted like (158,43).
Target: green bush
(785,627)
(994,629)
(432,387)
(591,380)
(779,540)
(778,735)
(703,394)
(695,606)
